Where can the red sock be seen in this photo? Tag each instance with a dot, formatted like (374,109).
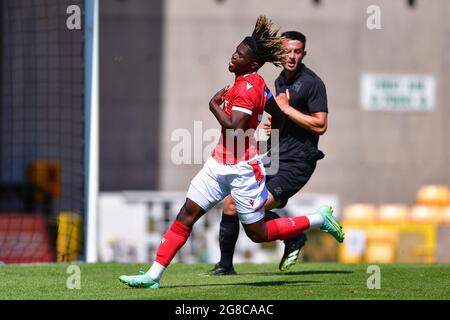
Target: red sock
(285,228)
(172,241)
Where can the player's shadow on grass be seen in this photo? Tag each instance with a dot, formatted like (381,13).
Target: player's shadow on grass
(257,284)
(296,273)
(277,283)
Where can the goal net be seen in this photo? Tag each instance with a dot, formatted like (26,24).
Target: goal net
(42,132)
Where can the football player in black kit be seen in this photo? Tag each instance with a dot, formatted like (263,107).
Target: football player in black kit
(301,95)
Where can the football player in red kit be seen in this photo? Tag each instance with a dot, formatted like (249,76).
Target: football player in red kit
(234,167)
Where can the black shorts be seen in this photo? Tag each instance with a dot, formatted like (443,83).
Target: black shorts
(290,178)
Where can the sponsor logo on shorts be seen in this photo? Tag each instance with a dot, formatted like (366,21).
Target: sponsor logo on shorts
(278,190)
(252,202)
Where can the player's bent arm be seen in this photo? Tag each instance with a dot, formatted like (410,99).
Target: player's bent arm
(238,119)
(278,119)
(315,122)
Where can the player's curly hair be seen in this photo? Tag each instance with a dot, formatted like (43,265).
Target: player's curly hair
(265,43)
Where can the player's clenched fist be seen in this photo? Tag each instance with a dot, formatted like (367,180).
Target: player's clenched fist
(219,96)
(283,102)
(267,126)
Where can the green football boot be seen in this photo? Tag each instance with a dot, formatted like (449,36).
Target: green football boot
(330,224)
(140,281)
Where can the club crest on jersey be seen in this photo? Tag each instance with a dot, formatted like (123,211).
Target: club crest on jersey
(296,86)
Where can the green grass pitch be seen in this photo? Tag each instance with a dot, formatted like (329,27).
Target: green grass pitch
(253,282)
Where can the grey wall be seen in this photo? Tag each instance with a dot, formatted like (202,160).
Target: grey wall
(375,157)
(130,85)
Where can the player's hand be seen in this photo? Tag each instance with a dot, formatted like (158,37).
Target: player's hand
(219,97)
(283,102)
(267,126)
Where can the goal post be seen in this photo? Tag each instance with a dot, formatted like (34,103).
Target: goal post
(91,129)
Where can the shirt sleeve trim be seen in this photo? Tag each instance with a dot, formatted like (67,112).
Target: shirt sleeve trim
(236,108)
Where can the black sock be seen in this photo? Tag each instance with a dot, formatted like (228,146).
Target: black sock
(228,235)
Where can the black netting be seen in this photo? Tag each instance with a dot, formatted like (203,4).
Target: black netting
(41,132)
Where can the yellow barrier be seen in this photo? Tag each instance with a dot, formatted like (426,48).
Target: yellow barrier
(389,242)
(427,214)
(446,215)
(360,212)
(438,195)
(69,238)
(393,213)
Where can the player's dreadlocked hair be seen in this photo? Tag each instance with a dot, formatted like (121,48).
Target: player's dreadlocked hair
(265,43)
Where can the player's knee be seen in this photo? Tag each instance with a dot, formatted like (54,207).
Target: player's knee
(257,232)
(257,236)
(270,215)
(229,207)
(186,216)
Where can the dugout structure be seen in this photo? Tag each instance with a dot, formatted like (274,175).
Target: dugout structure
(45,122)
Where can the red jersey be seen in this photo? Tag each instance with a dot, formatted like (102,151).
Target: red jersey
(249,95)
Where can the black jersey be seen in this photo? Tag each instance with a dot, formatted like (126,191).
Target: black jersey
(307,94)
